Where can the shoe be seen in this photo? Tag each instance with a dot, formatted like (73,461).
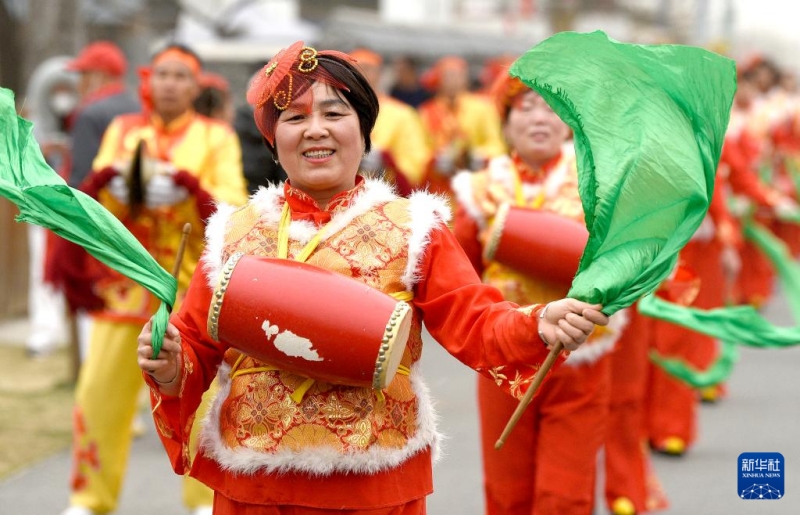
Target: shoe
(77,510)
(671,446)
(623,506)
(203,510)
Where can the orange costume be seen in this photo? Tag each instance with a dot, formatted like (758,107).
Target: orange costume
(746,148)
(462,130)
(672,411)
(548,463)
(340,447)
(631,485)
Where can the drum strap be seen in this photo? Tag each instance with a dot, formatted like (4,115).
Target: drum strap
(283,237)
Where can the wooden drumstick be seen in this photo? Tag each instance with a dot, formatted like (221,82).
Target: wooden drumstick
(176,268)
(537,381)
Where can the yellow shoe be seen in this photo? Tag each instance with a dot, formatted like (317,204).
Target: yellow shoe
(673,445)
(709,394)
(623,506)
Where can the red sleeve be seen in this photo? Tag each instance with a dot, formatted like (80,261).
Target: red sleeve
(174,416)
(727,230)
(202,199)
(466,231)
(96,181)
(742,177)
(472,321)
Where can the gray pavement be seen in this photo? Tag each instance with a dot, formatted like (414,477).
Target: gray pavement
(761,414)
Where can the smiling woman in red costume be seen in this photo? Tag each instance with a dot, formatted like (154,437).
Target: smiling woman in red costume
(281,441)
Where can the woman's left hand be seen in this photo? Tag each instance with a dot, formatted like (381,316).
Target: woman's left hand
(569,321)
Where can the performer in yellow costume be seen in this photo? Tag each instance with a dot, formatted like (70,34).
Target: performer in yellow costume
(186,162)
(463,128)
(399,146)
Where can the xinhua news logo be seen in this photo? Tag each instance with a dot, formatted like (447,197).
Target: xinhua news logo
(761,476)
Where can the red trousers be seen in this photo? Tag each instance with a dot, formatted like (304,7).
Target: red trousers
(626,456)
(757,278)
(672,404)
(548,463)
(225,506)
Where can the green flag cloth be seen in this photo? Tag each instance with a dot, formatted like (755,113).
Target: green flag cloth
(736,324)
(717,373)
(44,199)
(648,123)
(740,324)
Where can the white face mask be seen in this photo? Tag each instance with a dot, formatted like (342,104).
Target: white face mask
(63,102)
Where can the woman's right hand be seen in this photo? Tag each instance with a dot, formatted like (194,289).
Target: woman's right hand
(569,321)
(165,369)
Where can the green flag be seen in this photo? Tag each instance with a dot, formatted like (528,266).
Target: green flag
(44,199)
(649,123)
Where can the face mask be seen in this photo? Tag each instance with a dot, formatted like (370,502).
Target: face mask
(62,103)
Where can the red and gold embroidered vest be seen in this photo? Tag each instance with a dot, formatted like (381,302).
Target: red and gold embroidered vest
(333,427)
(484,192)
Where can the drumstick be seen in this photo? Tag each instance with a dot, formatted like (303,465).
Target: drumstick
(187,230)
(537,381)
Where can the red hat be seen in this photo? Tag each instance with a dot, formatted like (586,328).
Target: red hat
(285,79)
(101,56)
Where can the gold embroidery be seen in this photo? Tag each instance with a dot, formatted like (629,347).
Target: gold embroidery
(258,413)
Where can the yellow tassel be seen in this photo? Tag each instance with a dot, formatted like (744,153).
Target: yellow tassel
(301,390)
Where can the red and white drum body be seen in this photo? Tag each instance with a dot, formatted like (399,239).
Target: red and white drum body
(309,320)
(537,243)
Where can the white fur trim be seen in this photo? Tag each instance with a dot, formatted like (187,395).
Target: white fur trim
(320,461)
(268,202)
(427,212)
(465,195)
(594,349)
(215,242)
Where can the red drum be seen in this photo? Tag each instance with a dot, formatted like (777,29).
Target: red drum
(537,243)
(309,320)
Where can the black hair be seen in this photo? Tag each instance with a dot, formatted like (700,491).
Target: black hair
(209,100)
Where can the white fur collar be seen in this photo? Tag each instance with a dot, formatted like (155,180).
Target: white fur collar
(268,202)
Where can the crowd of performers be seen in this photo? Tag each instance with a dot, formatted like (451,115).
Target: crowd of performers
(481,148)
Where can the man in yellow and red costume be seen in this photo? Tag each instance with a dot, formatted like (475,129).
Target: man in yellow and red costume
(156,171)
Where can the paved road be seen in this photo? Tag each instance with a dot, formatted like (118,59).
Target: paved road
(762,414)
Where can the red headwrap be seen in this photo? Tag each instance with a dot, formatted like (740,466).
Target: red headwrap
(505,91)
(285,79)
